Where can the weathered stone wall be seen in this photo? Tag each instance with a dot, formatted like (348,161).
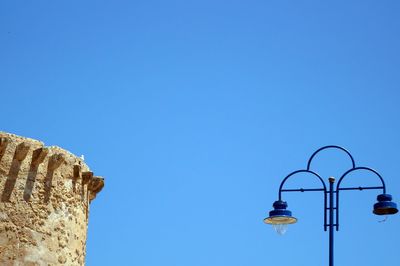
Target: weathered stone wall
(44,203)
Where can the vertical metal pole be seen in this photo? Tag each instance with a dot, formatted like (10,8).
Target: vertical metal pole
(331,224)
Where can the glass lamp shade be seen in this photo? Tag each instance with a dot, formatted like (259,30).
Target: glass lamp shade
(385,206)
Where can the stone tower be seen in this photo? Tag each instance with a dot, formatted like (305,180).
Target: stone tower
(45,196)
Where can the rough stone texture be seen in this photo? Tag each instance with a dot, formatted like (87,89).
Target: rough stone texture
(45,196)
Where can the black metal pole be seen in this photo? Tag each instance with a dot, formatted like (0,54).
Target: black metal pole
(331,225)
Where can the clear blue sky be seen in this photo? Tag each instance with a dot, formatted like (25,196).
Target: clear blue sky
(194,111)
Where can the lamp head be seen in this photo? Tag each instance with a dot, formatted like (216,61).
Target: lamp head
(279,215)
(385,206)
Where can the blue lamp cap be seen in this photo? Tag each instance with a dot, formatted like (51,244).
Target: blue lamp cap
(280,204)
(384,197)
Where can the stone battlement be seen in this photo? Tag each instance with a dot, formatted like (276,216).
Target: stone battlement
(45,196)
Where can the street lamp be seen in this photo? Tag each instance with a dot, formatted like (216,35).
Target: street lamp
(280,217)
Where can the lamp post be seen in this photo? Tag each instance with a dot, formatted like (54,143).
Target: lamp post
(280,217)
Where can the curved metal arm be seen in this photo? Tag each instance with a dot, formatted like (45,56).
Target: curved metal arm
(340,181)
(361,168)
(302,190)
(330,147)
(296,172)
